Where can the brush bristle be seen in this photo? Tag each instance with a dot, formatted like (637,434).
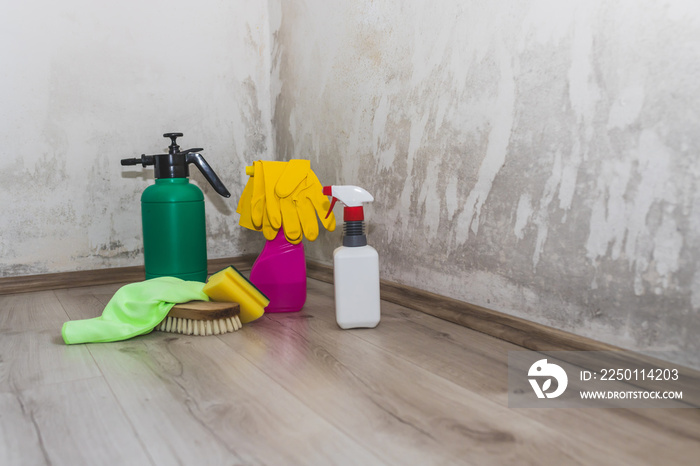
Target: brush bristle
(200,327)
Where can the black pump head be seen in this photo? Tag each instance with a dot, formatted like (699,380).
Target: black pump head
(173,139)
(175,164)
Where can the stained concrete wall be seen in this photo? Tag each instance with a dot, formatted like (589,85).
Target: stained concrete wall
(85,84)
(539,158)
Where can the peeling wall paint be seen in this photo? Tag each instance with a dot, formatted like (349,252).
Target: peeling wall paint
(538,158)
(87,84)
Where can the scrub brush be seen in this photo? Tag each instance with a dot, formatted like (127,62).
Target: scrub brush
(202,318)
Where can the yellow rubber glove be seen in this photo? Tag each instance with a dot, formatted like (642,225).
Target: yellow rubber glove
(294,174)
(291,182)
(244,206)
(257,202)
(268,230)
(307,201)
(290,216)
(254,206)
(273,171)
(284,193)
(311,201)
(305,210)
(298,189)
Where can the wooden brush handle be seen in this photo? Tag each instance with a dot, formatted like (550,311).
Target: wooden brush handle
(204,310)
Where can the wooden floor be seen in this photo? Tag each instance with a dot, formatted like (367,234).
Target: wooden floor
(294,389)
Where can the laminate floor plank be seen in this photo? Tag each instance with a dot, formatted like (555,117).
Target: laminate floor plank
(20,442)
(478,362)
(80,422)
(415,417)
(485,371)
(31,359)
(31,350)
(194,397)
(294,389)
(31,311)
(86,302)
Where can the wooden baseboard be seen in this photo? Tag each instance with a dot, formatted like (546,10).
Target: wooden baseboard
(52,281)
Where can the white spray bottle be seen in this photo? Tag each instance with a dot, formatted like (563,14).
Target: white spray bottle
(355,264)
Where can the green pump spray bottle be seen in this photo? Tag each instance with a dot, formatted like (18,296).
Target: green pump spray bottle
(172,213)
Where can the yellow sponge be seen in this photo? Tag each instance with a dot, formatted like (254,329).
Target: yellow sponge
(229,285)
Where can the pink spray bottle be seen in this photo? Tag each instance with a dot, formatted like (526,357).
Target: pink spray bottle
(280,273)
(285,202)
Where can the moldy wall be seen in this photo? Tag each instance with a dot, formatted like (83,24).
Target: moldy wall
(539,158)
(85,84)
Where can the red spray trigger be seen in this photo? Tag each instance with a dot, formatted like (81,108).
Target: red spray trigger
(331,209)
(328,191)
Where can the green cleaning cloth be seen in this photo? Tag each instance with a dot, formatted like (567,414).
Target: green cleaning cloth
(135,309)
